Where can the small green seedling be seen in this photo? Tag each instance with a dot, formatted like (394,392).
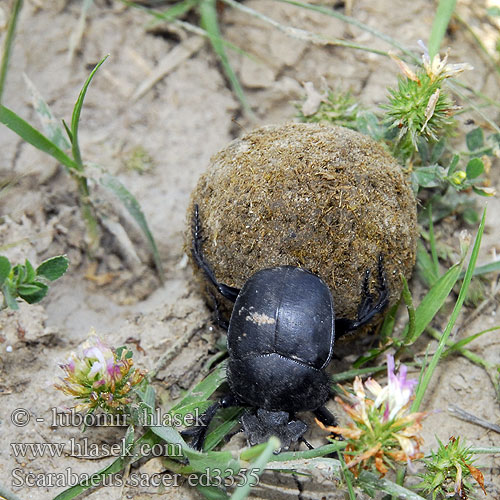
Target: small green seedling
(67,151)
(448,472)
(26,282)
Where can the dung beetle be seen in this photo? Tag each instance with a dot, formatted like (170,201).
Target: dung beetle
(280,340)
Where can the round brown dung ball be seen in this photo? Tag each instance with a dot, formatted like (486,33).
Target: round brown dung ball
(324,198)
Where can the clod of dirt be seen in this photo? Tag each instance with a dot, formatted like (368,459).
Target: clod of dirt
(324,198)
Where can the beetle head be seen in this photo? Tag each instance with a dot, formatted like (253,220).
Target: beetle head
(259,427)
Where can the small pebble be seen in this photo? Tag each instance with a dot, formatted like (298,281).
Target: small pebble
(8,348)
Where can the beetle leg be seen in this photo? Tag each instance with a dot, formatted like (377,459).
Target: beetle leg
(229,292)
(307,443)
(199,432)
(367,309)
(325,416)
(218,317)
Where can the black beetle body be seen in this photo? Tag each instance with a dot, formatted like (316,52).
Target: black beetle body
(280,340)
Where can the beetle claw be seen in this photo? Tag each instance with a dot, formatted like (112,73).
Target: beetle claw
(367,308)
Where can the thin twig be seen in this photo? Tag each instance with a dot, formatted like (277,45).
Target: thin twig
(469,417)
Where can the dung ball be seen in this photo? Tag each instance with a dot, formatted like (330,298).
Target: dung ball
(321,197)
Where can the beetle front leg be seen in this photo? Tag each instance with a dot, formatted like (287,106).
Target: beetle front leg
(367,309)
(229,292)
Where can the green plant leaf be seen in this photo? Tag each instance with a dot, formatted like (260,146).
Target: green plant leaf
(453,165)
(203,390)
(169,434)
(483,191)
(33,292)
(4,269)
(75,118)
(433,301)
(438,150)
(24,130)
(255,469)
(474,168)
(440,24)
(229,418)
(19,274)
(30,272)
(53,268)
(475,139)
(350,374)
(134,209)
(491,267)
(463,342)
(425,265)
(427,177)
(367,123)
(148,396)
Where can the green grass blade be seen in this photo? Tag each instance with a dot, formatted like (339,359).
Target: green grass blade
(255,469)
(230,419)
(9,40)
(425,266)
(209,21)
(440,24)
(427,375)
(347,478)
(75,118)
(24,130)
(459,345)
(350,374)
(491,267)
(134,209)
(466,353)
(374,482)
(51,126)
(203,390)
(433,301)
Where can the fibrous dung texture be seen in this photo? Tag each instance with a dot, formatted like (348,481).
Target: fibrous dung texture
(325,198)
